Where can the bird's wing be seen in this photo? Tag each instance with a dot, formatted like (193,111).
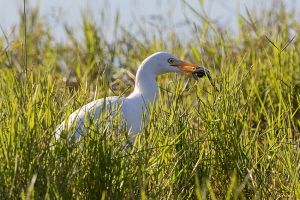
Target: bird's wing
(96,110)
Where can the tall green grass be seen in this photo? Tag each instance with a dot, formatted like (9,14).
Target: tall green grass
(239,143)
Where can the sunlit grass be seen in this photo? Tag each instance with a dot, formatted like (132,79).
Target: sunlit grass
(239,143)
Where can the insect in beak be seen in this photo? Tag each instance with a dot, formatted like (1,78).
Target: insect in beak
(202,71)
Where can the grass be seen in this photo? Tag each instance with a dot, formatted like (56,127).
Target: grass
(240,143)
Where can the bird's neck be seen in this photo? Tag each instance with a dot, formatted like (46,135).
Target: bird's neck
(145,86)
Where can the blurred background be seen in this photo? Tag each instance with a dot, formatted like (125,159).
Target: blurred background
(83,39)
(132,14)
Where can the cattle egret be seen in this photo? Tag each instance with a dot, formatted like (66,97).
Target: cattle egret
(132,107)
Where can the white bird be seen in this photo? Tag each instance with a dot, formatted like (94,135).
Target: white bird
(131,107)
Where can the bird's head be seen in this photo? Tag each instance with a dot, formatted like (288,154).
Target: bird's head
(162,62)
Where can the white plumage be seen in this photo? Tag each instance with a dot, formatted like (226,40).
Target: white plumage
(131,107)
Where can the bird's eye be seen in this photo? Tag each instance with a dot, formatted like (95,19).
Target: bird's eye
(171,60)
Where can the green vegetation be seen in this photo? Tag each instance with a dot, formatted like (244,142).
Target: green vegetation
(240,143)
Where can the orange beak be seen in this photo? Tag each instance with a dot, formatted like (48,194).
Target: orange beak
(182,66)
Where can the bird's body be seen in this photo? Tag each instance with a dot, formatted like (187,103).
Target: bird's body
(131,107)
